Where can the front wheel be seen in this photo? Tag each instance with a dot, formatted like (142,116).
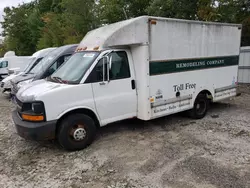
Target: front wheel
(76,132)
(200,108)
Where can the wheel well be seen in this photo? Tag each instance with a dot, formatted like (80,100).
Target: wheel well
(207,93)
(83,111)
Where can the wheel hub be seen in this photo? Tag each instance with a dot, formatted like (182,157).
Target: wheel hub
(198,106)
(79,134)
(201,107)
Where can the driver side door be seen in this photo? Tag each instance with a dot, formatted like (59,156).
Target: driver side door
(115,99)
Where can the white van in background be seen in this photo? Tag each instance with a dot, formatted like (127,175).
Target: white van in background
(38,56)
(2,68)
(12,63)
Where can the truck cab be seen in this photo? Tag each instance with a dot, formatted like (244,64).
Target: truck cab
(3,69)
(87,84)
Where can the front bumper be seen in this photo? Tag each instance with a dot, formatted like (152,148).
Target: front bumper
(34,130)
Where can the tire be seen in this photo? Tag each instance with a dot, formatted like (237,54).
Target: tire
(76,132)
(200,108)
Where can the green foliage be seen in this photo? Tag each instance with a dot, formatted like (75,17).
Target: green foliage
(246,32)
(116,10)
(183,9)
(52,31)
(17,31)
(3,50)
(46,23)
(112,11)
(79,18)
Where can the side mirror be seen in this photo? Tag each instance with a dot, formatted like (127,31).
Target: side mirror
(110,62)
(105,71)
(13,71)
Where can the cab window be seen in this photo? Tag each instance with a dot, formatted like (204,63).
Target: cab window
(57,64)
(119,68)
(4,64)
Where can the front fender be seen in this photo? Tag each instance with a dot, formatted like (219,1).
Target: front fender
(78,108)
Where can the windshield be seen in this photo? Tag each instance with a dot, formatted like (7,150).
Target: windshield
(46,61)
(74,69)
(32,64)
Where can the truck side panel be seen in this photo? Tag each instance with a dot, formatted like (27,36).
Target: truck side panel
(164,88)
(184,40)
(188,58)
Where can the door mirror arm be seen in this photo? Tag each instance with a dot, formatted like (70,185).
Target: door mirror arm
(105,62)
(108,61)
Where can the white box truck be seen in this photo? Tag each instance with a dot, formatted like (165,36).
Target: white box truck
(13,64)
(144,68)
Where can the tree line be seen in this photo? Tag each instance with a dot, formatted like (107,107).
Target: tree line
(47,23)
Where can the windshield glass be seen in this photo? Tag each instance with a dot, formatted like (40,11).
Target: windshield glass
(32,64)
(74,69)
(47,60)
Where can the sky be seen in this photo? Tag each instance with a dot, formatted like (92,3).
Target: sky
(5,3)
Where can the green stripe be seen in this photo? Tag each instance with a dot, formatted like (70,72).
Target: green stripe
(172,66)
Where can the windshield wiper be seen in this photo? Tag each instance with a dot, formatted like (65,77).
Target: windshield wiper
(57,79)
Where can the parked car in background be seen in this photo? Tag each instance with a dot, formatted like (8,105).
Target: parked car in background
(45,68)
(12,64)
(38,56)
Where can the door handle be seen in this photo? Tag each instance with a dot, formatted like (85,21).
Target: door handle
(133,84)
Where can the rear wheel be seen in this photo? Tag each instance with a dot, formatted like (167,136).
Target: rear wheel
(200,108)
(76,132)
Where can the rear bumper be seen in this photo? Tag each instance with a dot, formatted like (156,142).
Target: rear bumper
(34,131)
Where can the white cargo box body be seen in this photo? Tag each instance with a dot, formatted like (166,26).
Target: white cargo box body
(192,57)
(174,60)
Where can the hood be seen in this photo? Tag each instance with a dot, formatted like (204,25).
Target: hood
(8,78)
(30,91)
(7,81)
(23,77)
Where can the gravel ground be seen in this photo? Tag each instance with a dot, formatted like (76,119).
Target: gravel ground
(174,152)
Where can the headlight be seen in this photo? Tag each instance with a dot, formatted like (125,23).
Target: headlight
(33,111)
(37,108)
